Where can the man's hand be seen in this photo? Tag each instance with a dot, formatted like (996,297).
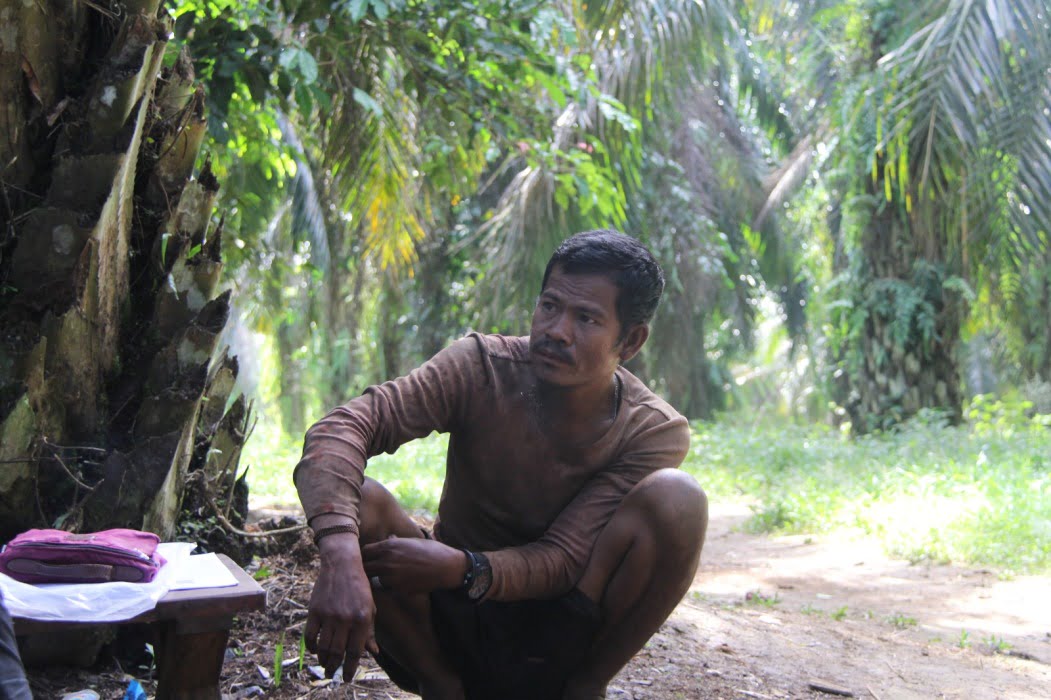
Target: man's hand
(340,621)
(414,565)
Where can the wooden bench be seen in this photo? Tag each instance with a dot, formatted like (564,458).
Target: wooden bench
(191,629)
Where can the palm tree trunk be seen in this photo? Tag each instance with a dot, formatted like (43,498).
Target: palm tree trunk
(1033,313)
(902,356)
(108,272)
(292,401)
(392,307)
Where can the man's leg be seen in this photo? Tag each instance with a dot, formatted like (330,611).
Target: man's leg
(403,622)
(642,565)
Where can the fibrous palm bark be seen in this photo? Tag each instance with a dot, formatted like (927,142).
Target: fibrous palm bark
(110,265)
(904,355)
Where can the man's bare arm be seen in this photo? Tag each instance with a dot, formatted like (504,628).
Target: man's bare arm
(341,620)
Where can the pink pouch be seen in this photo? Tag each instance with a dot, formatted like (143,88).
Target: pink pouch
(56,556)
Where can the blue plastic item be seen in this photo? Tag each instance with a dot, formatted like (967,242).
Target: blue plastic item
(134,691)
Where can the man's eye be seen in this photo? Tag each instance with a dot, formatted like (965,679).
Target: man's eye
(584,318)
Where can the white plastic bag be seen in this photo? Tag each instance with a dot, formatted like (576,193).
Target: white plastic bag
(93,602)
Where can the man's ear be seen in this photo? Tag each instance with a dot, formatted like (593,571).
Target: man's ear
(633,341)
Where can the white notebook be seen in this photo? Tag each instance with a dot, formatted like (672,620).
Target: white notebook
(201,571)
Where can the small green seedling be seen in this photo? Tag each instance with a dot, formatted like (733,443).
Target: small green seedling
(153,659)
(997,645)
(757,598)
(902,621)
(279,656)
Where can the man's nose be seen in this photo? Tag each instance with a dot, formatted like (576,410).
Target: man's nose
(560,329)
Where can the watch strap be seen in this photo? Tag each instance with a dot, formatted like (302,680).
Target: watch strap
(468,577)
(479,576)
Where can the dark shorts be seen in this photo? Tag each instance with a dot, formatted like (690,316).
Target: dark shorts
(525,650)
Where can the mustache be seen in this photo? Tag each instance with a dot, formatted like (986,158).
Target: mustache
(552,349)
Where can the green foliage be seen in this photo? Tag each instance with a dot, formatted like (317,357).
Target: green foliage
(942,108)
(414,474)
(397,172)
(907,308)
(992,416)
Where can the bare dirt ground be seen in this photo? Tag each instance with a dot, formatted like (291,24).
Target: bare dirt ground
(767,617)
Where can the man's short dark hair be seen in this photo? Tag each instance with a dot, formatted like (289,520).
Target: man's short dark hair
(628,263)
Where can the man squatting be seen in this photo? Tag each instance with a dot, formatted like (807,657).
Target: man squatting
(565,533)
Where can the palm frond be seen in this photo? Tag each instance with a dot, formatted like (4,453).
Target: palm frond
(1031,205)
(308,220)
(370,154)
(784,181)
(970,96)
(961,74)
(635,48)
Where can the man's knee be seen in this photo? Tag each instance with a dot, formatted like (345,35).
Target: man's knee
(381,515)
(674,506)
(661,522)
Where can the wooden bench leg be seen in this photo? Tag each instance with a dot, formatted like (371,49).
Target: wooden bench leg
(189,655)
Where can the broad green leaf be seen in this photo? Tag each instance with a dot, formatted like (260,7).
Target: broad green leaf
(365,100)
(288,57)
(307,66)
(358,8)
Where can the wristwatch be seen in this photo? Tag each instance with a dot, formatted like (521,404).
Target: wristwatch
(479,576)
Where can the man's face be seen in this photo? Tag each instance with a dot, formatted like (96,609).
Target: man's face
(575,336)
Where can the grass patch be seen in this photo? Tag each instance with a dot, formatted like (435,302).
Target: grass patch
(977,494)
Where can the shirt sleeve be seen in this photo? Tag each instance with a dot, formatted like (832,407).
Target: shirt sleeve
(432,397)
(553,565)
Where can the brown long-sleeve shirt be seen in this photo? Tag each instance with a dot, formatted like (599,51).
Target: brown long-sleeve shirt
(533,506)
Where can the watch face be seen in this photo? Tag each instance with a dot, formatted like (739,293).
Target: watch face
(481,577)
